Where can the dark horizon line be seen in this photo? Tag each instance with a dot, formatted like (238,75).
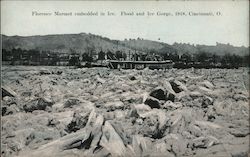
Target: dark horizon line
(124,39)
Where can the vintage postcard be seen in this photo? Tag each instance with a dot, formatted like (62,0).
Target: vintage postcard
(125,78)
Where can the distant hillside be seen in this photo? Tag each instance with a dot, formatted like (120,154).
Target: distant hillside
(143,45)
(62,43)
(83,42)
(219,49)
(223,49)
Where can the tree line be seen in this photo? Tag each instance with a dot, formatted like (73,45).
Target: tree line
(186,60)
(208,60)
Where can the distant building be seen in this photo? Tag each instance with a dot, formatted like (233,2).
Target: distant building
(63,59)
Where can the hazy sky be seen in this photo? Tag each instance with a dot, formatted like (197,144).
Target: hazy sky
(231,27)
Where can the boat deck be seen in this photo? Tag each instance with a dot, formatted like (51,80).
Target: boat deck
(116,64)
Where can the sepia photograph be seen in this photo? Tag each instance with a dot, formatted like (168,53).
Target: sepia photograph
(125,78)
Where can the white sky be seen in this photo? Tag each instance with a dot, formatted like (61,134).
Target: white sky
(231,27)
